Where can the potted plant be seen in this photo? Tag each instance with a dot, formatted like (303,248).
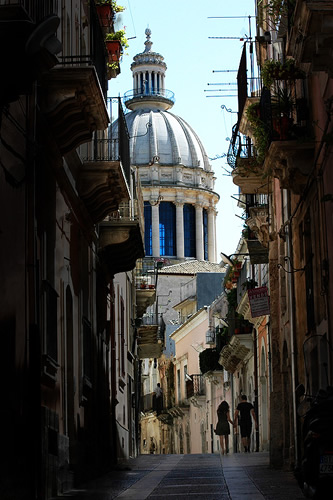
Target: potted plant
(143,284)
(113,69)
(118,36)
(283,105)
(260,132)
(249,284)
(278,8)
(106,9)
(273,70)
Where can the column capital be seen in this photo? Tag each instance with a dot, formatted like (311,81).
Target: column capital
(155,200)
(179,203)
(211,210)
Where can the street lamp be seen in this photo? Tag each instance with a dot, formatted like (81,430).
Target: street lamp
(227,258)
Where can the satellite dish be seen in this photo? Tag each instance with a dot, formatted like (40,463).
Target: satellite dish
(44,37)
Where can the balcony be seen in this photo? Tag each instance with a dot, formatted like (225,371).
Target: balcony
(247,170)
(258,224)
(257,251)
(151,336)
(145,285)
(234,353)
(121,238)
(147,402)
(28,45)
(73,93)
(281,132)
(104,178)
(249,176)
(73,103)
(161,96)
(311,36)
(195,386)
(209,360)
(290,162)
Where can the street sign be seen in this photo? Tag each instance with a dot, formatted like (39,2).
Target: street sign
(259,301)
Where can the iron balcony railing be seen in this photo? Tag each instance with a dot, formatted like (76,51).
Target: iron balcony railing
(128,211)
(164,93)
(196,386)
(96,53)
(153,318)
(146,273)
(255,200)
(37,9)
(147,402)
(113,143)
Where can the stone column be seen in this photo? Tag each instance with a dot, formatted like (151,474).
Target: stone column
(180,229)
(155,226)
(199,232)
(149,83)
(211,234)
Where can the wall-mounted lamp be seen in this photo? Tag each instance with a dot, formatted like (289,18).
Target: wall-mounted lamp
(227,258)
(293,269)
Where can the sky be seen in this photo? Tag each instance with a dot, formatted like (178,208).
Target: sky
(180,31)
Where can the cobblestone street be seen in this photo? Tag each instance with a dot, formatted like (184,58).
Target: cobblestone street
(235,477)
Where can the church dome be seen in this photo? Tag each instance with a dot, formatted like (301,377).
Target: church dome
(156,133)
(175,175)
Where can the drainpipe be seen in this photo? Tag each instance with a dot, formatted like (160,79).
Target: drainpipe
(256,401)
(292,335)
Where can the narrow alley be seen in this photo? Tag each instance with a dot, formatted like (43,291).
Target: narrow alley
(207,476)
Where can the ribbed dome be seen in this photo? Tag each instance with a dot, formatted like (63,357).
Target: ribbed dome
(159,133)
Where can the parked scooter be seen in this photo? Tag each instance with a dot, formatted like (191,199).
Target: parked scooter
(316,475)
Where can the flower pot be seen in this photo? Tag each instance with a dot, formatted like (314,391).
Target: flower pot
(114,50)
(281,126)
(105,15)
(151,287)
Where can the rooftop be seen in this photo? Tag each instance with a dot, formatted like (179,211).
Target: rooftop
(192,267)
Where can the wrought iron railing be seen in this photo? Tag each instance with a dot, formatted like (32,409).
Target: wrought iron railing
(239,147)
(96,53)
(113,143)
(145,273)
(166,94)
(196,386)
(37,9)
(153,318)
(147,402)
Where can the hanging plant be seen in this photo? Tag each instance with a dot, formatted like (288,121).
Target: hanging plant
(209,361)
(273,70)
(115,7)
(260,133)
(118,36)
(278,8)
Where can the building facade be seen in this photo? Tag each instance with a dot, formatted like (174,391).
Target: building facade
(281,148)
(72,220)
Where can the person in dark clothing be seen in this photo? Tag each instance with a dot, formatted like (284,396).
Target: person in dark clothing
(158,399)
(245,410)
(222,427)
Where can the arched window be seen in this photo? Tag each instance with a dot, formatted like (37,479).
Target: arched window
(189,231)
(148,229)
(205,233)
(167,212)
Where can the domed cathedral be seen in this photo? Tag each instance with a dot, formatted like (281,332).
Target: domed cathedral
(176,177)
